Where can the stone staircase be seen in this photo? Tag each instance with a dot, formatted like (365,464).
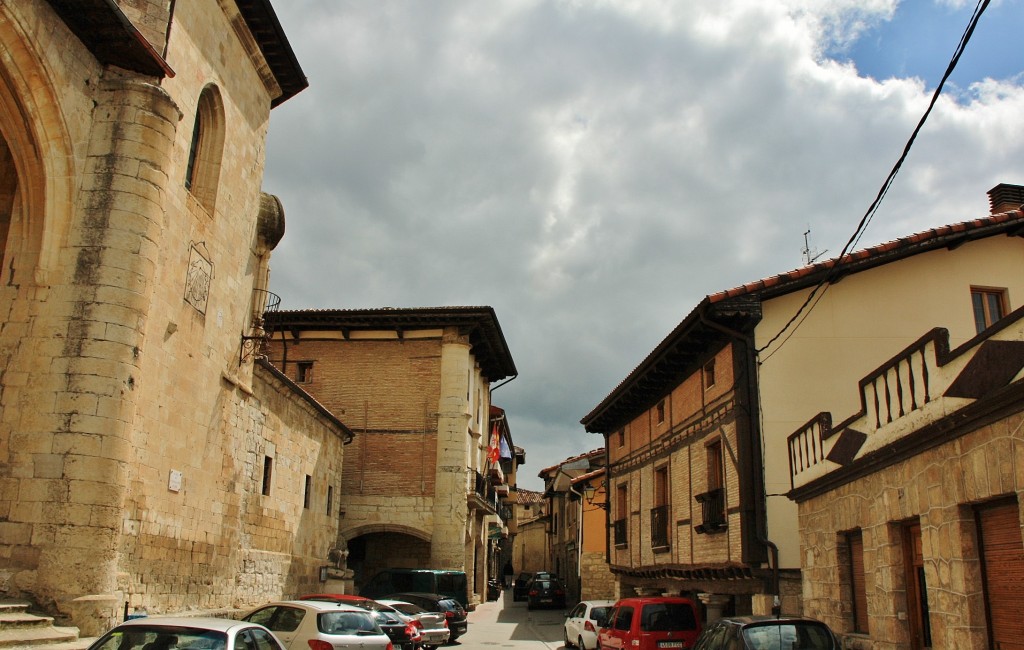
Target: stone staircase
(20,630)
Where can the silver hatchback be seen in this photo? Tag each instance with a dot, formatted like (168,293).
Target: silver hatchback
(318,625)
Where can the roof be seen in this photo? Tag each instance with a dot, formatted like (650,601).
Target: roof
(114,40)
(599,452)
(526,497)
(739,310)
(479,323)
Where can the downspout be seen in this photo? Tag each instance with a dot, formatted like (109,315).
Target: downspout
(762,518)
(579,543)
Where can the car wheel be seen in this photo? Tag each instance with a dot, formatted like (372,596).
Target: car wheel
(580,644)
(565,633)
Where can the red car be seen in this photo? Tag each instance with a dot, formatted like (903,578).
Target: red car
(653,623)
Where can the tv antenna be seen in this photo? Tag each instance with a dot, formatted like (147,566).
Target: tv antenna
(810,257)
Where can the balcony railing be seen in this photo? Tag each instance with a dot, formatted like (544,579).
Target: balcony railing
(659,526)
(712,505)
(619,532)
(254,344)
(484,493)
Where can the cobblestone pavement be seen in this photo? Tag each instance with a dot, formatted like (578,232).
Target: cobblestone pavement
(506,624)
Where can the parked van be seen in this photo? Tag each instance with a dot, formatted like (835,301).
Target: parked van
(650,623)
(431,581)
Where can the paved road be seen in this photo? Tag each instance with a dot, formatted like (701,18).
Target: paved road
(505,624)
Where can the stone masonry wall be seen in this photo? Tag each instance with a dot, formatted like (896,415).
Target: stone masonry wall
(936,488)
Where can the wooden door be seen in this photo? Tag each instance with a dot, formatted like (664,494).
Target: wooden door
(1002,561)
(917,591)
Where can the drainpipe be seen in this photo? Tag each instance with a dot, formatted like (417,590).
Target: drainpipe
(762,518)
(579,543)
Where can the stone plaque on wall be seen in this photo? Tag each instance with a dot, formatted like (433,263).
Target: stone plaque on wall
(197,280)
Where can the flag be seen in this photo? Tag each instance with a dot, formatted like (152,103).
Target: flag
(506,453)
(494,449)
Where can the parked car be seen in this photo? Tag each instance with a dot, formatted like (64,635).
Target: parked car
(174,633)
(433,581)
(650,623)
(767,633)
(320,625)
(545,592)
(519,586)
(451,608)
(433,626)
(522,583)
(399,627)
(583,622)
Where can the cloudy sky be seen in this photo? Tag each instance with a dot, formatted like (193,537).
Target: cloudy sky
(593,168)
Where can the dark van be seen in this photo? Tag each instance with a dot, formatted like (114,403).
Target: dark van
(434,581)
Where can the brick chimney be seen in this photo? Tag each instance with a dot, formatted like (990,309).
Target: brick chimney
(1005,197)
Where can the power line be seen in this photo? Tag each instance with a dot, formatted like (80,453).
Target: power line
(830,275)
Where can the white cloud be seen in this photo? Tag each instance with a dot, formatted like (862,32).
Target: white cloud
(593,169)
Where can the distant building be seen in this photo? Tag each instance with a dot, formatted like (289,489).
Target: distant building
(577,525)
(415,386)
(531,548)
(148,457)
(698,460)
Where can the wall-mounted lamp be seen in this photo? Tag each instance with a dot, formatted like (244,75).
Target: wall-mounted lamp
(589,492)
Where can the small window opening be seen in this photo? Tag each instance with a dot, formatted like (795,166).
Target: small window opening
(304,372)
(330,498)
(268,471)
(661,411)
(709,374)
(308,492)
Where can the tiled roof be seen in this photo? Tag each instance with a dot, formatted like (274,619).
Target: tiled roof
(1007,222)
(528,497)
(590,454)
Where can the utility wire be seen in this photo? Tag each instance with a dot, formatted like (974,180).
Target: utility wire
(811,301)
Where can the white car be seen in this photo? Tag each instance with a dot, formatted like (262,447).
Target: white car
(319,625)
(178,633)
(583,622)
(433,626)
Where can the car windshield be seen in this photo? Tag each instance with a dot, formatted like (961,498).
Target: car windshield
(138,637)
(408,608)
(347,623)
(599,613)
(788,636)
(667,617)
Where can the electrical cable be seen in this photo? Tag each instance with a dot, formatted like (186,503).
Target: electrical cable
(823,284)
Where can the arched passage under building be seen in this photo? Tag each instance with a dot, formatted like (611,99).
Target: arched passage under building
(386,546)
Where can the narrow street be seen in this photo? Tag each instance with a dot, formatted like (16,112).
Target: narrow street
(506,624)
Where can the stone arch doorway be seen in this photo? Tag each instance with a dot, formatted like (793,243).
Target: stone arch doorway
(372,548)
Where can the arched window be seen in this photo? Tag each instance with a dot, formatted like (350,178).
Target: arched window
(202,172)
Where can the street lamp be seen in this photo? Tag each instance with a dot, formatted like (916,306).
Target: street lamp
(589,491)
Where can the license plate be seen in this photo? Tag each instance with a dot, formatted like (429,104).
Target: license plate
(670,644)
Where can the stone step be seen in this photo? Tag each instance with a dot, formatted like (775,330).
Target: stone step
(20,629)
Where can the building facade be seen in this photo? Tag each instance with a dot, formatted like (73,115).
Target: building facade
(531,550)
(698,468)
(415,387)
(910,517)
(138,428)
(578,543)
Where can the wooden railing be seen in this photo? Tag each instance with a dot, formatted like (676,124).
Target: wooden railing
(900,386)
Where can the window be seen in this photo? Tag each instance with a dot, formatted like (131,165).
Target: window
(989,306)
(268,470)
(714,465)
(709,374)
(303,372)
(660,511)
(330,498)
(853,549)
(661,411)
(622,437)
(202,171)
(307,492)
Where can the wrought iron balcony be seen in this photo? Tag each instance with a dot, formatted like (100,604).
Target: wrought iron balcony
(255,342)
(659,526)
(712,511)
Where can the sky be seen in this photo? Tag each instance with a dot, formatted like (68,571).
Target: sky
(591,169)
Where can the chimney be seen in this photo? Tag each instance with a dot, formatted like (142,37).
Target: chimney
(1005,197)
